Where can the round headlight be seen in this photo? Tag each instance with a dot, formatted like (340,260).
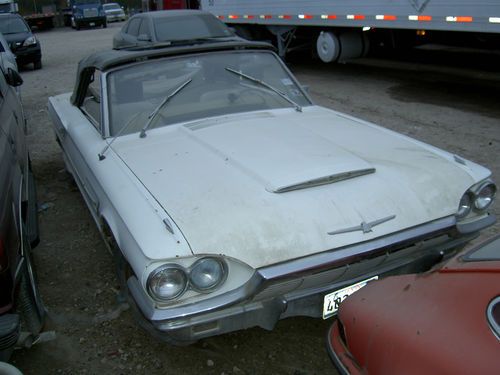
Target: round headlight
(207,273)
(167,282)
(485,196)
(464,206)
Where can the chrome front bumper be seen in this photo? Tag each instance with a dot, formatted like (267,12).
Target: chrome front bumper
(298,287)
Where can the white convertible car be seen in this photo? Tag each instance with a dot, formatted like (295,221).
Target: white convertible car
(232,201)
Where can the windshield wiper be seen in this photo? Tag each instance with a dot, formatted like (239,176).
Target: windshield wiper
(298,108)
(153,114)
(101,154)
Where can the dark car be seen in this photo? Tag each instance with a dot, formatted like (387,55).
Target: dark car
(150,28)
(20,303)
(446,321)
(21,40)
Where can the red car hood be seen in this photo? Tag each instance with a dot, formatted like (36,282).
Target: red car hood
(431,323)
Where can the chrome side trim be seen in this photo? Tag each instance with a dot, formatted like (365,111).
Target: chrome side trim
(330,257)
(495,327)
(333,355)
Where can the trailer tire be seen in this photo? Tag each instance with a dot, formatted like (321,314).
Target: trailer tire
(353,45)
(328,46)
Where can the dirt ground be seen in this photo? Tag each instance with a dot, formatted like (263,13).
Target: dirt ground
(451,103)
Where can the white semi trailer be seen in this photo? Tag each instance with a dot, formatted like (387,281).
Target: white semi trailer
(338,30)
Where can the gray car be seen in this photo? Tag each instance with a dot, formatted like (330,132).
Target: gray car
(21,40)
(114,12)
(20,301)
(170,27)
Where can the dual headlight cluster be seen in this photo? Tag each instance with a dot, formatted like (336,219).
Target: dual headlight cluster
(170,281)
(478,198)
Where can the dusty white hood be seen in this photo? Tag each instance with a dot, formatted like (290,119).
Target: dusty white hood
(219,180)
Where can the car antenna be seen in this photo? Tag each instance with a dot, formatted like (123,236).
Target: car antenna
(101,154)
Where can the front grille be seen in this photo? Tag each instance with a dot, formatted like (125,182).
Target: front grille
(350,271)
(92,12)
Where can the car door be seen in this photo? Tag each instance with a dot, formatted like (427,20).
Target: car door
(10,193)
(82,140)
(13,124)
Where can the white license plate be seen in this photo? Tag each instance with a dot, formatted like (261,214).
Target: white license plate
(92,24)
(333,300)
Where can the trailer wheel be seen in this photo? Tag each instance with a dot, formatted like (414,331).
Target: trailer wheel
(353,44)
(328,46)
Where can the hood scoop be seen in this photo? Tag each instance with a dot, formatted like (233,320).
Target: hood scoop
(330,179)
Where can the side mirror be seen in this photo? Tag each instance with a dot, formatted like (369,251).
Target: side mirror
(13,78)
(144,38)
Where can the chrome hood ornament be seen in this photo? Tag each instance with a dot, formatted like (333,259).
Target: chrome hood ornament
(364,226)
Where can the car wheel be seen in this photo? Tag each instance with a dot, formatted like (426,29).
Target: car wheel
(30,304)
(37,64)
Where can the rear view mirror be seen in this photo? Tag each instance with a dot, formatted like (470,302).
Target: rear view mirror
(13,78)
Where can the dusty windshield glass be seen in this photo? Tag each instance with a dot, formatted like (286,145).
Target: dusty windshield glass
(213,91)
(13,25)
(111,6)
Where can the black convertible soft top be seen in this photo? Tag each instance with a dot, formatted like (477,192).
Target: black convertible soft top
(108,59)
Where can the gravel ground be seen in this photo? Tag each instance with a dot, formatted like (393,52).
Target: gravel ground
(451,107)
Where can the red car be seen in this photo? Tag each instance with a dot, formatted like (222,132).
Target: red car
(445,321)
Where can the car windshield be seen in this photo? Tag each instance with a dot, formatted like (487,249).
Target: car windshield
(111,6)
(212,91)
(189,27)
(12,25)
(5,8)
